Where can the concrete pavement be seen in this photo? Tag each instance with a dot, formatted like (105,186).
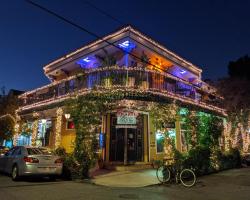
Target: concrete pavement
(227,185)
(136,178)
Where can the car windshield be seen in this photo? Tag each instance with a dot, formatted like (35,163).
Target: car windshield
(38,151)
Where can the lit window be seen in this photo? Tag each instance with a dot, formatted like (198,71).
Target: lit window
(70,125)
(159,142)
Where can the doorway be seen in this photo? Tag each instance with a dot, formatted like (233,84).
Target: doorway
(126,144)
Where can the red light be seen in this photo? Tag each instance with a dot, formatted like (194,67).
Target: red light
(71,125)
(59,161)
(30,160)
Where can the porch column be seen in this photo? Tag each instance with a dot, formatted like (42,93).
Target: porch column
(145,130)
(107,137)
(103,130)
(34,132)
(58,137)
(178,134)
(16,133)
(126,146)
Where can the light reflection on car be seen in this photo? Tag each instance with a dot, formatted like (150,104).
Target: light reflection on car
(3,150)
(22,161)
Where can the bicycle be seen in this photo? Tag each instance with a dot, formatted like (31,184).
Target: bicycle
(166,172)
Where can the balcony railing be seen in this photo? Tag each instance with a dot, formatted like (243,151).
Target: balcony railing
(122,77)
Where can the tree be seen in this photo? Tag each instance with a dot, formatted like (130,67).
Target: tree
(236,91)
(8,106)
(86,111)
(6,128)
(240,68)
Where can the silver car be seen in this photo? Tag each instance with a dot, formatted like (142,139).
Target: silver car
(24,161)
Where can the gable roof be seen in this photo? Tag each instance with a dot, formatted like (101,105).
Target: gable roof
(167,53)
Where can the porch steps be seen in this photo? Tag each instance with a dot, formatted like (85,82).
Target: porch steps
(132,167)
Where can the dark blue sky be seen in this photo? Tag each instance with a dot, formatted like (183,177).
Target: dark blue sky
(207,33)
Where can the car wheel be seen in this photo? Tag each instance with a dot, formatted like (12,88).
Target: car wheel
(14,173)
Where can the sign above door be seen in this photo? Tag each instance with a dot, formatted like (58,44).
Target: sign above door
(126,117)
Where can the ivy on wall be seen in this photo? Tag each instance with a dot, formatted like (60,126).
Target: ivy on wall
(163,114)
(202,129)
(86,112)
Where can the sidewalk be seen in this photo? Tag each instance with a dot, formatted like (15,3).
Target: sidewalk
(138,178)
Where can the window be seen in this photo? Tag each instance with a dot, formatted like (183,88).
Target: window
(159,142)
(70,125)
(10,152)
(17,151)
(38,151)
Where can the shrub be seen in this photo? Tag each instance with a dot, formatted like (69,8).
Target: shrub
(230,159)
(71,168)
(198,159)
(60,151)
(156,163)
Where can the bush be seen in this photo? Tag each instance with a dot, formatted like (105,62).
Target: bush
(156,163)
(198,159)
(230,159)
(60,151)
(71,168)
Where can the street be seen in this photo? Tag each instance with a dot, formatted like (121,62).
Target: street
(232,184)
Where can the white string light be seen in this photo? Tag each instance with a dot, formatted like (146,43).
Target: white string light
(34,132)
(170,54)
(120,68)
(59,114)
(124,89)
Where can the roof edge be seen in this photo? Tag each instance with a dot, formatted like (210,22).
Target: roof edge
(117,32)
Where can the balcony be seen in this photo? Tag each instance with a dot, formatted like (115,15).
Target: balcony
(123,78)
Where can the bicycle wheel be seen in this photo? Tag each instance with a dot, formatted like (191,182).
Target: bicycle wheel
(187,177)
(163,174)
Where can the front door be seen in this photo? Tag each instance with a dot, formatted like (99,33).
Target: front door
(132,147)
(126,144)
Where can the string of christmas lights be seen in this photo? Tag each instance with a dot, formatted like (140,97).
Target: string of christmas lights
(59,114)
(168,53)
(34,132)
(120,68)
(115,89)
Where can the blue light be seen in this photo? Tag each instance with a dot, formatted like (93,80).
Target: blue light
(86,59)
(127,46)
(101,140)
(8,143)
(83,61)
(124,44)
(183,71)
(87,62)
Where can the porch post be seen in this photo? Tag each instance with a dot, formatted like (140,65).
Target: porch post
(178,134)
(107,137)
(145,135)
(34,132)
(16,133)
(126,146)
(58,136)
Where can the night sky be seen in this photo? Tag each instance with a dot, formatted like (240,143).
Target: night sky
(207,33)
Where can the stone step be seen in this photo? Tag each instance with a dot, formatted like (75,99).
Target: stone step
(132,167)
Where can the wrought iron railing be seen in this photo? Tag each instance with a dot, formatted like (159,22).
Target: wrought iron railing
(113,77)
